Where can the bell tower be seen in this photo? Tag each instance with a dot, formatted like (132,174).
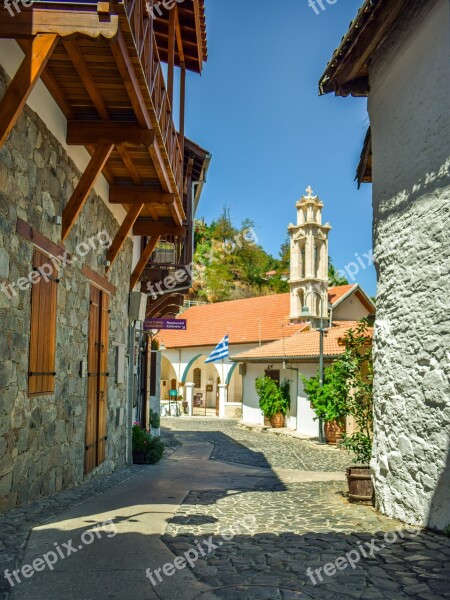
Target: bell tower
(309,259)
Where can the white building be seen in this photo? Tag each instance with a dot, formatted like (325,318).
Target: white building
(397,55)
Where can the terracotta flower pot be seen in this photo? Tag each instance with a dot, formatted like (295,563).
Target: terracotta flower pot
(277,421)
(360,486)
(334,431)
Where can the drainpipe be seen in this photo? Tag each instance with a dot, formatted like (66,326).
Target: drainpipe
(131,341)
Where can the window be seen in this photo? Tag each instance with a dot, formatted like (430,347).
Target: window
(275,375)
(41,376)
(197,378)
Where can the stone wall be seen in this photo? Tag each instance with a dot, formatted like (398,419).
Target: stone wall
(409,107)
(42,438)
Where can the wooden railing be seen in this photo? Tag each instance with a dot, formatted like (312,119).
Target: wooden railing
(144,38)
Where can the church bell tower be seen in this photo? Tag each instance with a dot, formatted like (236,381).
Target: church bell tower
(309,260)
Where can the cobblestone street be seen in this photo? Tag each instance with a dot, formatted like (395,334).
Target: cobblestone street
(300,526)
(260,516)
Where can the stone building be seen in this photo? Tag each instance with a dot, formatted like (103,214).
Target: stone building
(95,180)
(396,54)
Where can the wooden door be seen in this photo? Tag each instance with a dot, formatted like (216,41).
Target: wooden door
(96,430)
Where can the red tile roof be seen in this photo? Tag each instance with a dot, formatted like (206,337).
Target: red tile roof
(302,345)
(247,321)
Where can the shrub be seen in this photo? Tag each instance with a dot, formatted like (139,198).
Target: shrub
(272,398)
(142,441)
(155,420)
(155,450)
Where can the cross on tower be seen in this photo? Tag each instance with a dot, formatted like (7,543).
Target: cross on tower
(310,191)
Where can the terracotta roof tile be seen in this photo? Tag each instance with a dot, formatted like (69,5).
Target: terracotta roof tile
(304,344)
(247,321)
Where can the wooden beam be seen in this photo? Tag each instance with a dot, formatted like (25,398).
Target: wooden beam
(171,310)
(169,300)
(84,187)
(51,84)
(83,133)
(121,194)
(142,263)
(98,280)
(153,305)
(176,213)
(179,36)
(149,228)
(29,22)
(84,73)
(122,234)
(171,54)
(125,65)
(182,106)
(20,88)
(160,167)
(128,162)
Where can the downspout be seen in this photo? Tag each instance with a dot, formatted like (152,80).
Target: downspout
(131,341)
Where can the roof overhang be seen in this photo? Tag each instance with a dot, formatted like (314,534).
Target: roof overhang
(281,359)
(348,71)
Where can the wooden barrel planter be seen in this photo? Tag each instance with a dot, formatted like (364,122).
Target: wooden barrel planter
(334,431)
(360,486)
(277,421)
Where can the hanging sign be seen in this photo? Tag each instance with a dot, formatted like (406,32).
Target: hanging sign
(174,324)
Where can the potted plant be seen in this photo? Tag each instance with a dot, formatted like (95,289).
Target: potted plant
(358,358)
(347,391)
(146,449)
(329,401)
(140,443)
(155,423)
(274,400)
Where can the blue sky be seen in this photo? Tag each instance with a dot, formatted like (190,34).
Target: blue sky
(256,109)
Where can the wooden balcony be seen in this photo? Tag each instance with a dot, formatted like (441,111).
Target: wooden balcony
(101,61)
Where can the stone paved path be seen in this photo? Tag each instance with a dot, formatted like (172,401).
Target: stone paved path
(266,516)
(300,526)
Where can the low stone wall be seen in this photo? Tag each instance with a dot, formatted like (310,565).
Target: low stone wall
(42,438)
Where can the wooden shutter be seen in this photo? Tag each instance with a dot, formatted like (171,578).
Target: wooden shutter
(96,415)
(44,295)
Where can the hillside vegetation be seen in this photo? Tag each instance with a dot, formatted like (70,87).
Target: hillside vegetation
(229,264)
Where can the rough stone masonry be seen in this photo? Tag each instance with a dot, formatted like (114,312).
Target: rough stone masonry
(42,438)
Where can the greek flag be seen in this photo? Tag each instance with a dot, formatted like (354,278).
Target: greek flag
(219,352)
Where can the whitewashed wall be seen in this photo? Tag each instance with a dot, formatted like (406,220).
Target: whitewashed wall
(300,416)
(409,107)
